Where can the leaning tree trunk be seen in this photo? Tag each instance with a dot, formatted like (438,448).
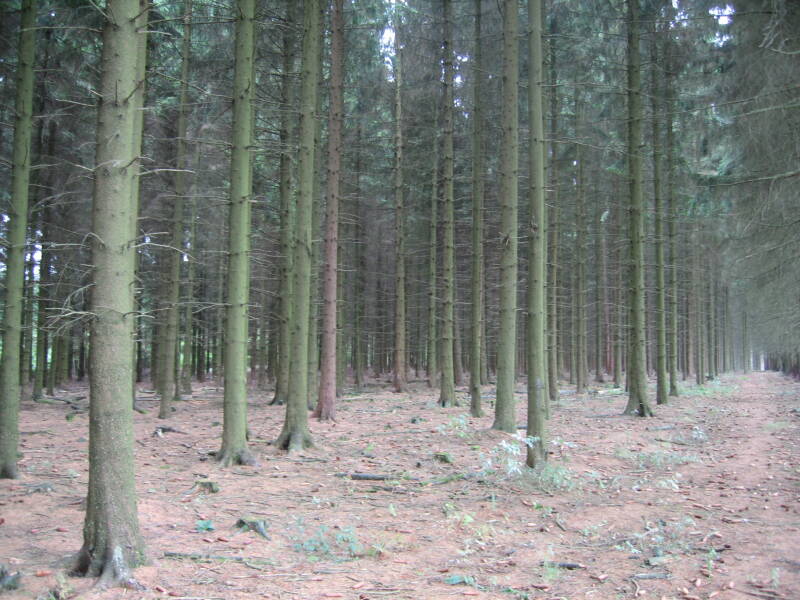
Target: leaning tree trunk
(295,434)
(15,255)
(234,427)
(447,394)
(326,403)
(505,415)
(637,362)
(112,544)
(537,259)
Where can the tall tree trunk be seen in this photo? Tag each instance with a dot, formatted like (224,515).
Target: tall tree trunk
(581,368)
(432,364)
(326,404)
(505,414)
(537,259)
(672,218)
(552,232)
(399,219)
(476,325)
(288,95)
(171,385)
(447,395)
(234,428)
(637,361)
(15,255)
(658,209)
(112,543)
(295,434)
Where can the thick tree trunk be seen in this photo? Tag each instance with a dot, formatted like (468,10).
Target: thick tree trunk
(112,544)
(234,431)
(326,403)
(15,254)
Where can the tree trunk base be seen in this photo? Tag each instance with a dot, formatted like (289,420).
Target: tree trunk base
(278,400)
(293,440)
(229,458)
(9,471)
(111,566)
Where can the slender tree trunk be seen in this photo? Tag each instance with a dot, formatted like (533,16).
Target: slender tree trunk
(637,362)
(537,259)
(476,314)
(15,254)
(326,404)
(581,367)
(295,434)
(447,396)
(234,432)
(658,209)
(171,385)
(112,544)
(286,206)
(432,362)
(505,414)
(672,218)
(553,234)
(399,220)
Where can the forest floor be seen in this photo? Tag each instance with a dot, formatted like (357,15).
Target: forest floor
(700,502)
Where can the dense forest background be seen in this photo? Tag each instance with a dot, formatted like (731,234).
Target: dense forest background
(326,196)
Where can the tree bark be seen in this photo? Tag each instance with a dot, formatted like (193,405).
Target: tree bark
(399,218)
(537,259)
(505,414)
(234,428)
(326,403)
(295,434)
(112,543)
(637,361)
(447,395)
(15,258)
(476,314)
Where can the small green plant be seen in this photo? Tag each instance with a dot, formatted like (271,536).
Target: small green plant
(458,425)
(204,525)
(711,557)
(551,478)
(550,570)
(657,459)
(775,577)
(460,580)
(506,458)
(342,544)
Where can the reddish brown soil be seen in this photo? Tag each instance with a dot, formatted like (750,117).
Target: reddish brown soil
(704,496)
